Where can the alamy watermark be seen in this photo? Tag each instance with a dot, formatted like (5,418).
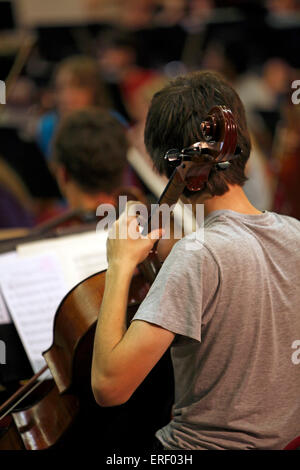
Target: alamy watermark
(296,93)
(2,352)
(296,354)
(2,92)
(187,221)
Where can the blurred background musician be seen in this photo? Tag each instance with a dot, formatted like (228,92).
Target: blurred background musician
(77,84)
(89,158)
(286,163)
(89,161)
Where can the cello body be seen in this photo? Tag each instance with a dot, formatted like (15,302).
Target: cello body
(34,427)
(67,414)
(148,409)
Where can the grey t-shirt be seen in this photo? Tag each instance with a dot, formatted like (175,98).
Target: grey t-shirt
(233,301)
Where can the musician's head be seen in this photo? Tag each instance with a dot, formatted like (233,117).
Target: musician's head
(89,154)
(78,84)
(174,119)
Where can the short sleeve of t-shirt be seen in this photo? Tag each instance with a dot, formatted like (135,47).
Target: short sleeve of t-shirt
(183,290)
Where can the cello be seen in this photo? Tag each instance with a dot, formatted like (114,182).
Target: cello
(70,400)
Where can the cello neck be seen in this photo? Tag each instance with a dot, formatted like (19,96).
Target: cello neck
(176,184)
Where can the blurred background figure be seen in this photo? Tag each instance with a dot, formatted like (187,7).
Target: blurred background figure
(117,53)
(117,59)
(286,159)
(89,158)
(77,84)
(283,6)
(263,95)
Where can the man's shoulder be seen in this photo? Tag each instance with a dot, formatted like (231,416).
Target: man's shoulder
(228,223)
(231,234)
(190,252)
(238,236)
(287,219)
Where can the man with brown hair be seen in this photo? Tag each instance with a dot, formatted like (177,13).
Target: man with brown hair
(228,307)
(89,157)
(77,84)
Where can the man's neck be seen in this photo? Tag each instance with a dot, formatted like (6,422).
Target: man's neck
(235,200)
(78,199)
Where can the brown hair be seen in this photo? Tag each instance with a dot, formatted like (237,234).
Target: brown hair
(174,119)
(85,73)
(91,144)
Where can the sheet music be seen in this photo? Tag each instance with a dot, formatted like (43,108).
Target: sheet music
(33,291)
(36,278)
(80,255)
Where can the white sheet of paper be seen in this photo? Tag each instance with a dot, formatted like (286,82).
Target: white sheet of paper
(80,255)
(33,291)
(35,279)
